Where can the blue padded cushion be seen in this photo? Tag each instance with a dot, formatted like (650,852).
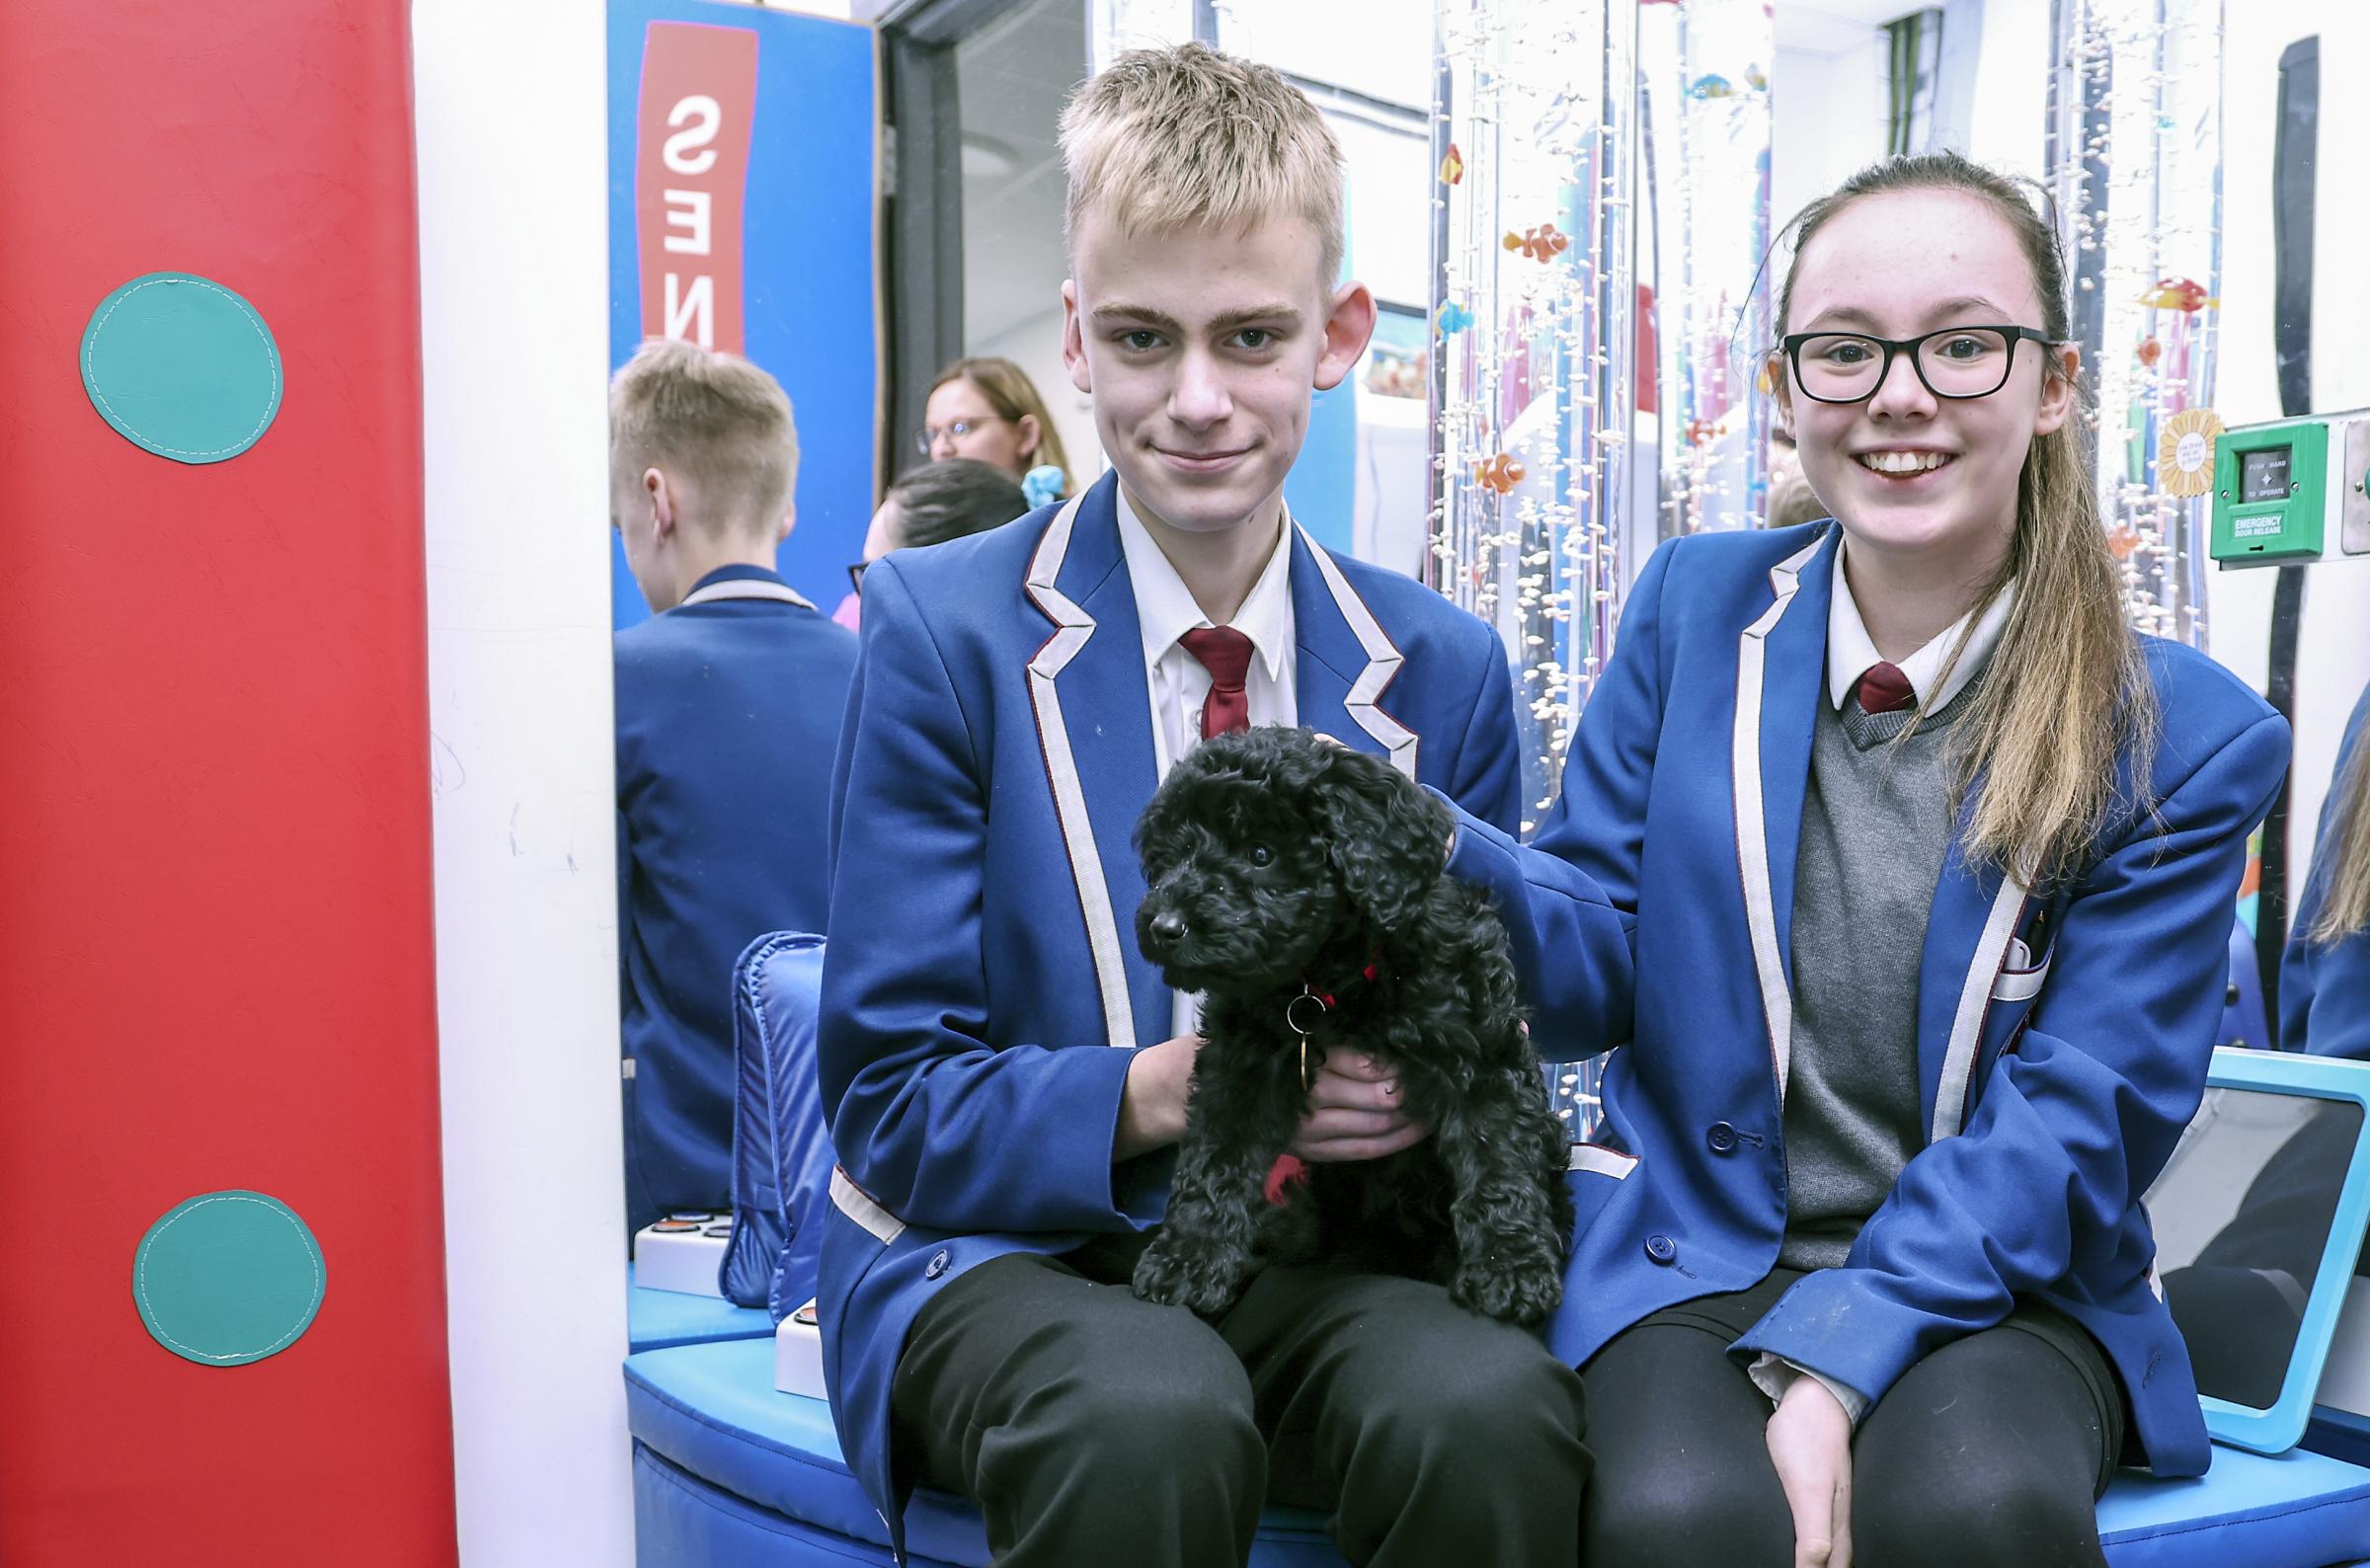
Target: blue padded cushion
(2298,1509)
(656,1319)
(712,1411)
(781,1150)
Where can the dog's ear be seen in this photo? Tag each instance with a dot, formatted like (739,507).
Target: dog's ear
(1385,833)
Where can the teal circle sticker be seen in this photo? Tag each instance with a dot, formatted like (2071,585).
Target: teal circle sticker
(182,367)
(228,1277)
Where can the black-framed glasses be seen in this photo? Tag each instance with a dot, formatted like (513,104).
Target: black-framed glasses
(1954,363)
(927,437)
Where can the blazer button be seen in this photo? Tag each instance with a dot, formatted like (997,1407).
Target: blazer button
(1721,1136)
(1661,1248)
(937,1265)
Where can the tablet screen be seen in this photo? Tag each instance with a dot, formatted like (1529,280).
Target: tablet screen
(2242,1216)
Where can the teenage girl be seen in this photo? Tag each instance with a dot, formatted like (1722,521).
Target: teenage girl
(1900,872)
(2325,979)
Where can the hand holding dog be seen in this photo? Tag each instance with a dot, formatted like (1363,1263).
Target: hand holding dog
(1354,1112)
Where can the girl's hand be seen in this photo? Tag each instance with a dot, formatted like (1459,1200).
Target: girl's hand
(1810,1444)
(1354,1111)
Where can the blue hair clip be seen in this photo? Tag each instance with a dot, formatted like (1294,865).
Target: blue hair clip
(1042,486)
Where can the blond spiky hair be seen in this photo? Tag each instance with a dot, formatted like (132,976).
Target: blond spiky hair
(711,420)
(1167,138)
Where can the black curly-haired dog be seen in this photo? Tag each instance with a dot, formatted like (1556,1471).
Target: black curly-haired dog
(1298,884)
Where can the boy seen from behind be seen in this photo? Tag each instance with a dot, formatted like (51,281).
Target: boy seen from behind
(728,701)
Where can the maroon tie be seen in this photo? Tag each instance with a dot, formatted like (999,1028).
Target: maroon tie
(1884,689)
(1227,654)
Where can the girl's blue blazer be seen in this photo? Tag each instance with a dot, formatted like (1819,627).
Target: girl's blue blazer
(981,992)
(2063,1037)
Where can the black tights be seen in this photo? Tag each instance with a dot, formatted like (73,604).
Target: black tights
(1992,1451)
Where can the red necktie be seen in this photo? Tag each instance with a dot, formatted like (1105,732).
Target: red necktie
(1884,689)
(1227,654)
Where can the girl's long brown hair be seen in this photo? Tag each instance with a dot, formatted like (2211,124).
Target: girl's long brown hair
(2346,854)
(2066,689)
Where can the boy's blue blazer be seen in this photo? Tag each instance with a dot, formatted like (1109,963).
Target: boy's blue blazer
(727,710)
(2062,1040)
(982,994)
(2325,987)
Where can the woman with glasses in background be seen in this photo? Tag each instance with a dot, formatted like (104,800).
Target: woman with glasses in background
(989,408)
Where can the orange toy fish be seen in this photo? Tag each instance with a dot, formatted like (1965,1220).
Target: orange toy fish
(1500,473)
(2177,293)
(1542,244)
(2150,350)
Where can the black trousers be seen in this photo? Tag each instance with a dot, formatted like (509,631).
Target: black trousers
(1990,1451)
(1095,1428)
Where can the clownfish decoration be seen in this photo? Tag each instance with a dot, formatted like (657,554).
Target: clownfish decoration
(1542,244)
(1452,318)
(1452,167)
(1500,473)
(2121,541)
(2177,293)
(1702,433)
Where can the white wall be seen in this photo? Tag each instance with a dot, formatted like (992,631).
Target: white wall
(514,194)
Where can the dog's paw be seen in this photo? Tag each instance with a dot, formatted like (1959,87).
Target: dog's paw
(1523,1297)
(1167,1280)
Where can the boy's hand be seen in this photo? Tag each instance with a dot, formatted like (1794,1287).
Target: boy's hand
(1354,1111)
(1152,1108)
(1810,1444)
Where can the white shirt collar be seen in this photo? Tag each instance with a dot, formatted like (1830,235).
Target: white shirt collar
(1166,609)
(1852,653)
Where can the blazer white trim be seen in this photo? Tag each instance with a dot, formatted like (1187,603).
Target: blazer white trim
(1974,1000)
(861,1207)
(1752,830)
(1073,627)
(747,587)
(1383,661)
(1602,1161)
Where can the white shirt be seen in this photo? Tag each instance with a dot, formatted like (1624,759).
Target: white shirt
(1175,683)
(1852,653)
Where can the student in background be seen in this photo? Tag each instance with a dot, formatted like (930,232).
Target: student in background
(2325,977)
(728,701)
(929,505)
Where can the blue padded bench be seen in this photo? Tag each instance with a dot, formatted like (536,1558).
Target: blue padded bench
(658,1319)
(728,1473)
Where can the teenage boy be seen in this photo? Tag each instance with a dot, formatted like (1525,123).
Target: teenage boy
(1006,1075)
(728,701)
